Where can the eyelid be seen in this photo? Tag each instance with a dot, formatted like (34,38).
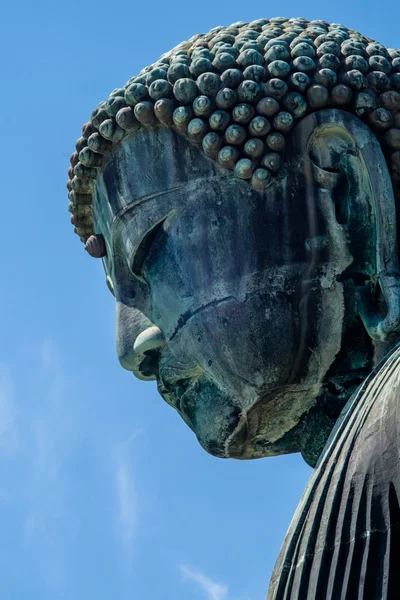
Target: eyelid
(142,249)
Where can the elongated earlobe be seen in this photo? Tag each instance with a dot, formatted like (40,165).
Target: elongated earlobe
(382,327)
(345,158)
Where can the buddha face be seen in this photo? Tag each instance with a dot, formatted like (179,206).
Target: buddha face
(228,297)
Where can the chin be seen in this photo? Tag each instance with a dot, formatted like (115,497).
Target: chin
(227,430)
(242,422)
(211,413)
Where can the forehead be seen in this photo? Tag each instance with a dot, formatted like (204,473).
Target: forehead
(147,165)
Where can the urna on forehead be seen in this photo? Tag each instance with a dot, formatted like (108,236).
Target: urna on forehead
(237,92)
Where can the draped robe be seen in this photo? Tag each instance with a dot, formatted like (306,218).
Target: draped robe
(344,539)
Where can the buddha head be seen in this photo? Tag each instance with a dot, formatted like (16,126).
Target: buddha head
(241,193)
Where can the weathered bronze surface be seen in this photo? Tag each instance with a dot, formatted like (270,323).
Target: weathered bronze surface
(243,194)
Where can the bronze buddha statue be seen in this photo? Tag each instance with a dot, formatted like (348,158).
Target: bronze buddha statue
(243,195)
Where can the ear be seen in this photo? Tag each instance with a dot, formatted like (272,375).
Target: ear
(345,158)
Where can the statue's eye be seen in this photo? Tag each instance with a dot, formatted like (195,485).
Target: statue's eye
(110,285)
(143,249)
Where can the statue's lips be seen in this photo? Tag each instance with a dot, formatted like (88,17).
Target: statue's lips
(183,394)
(175,377)
(175,394)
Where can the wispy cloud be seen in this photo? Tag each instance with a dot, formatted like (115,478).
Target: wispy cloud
(127,508)
(39,434)
(52,452)
(51,438)
(127,513)
(8,428)
(212,589)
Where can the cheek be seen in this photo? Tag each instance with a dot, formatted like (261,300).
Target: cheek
(246,347)
(203,257)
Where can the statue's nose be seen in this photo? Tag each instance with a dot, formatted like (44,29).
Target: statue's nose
(146,353)
(138,342)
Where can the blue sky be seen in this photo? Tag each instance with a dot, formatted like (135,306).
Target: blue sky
(104,492)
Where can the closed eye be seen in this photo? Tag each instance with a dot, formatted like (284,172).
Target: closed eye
(143,249)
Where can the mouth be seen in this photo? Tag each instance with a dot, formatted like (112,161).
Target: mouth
(174,393)
(176,376)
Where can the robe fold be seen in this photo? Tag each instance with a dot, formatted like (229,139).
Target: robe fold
(344,539)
